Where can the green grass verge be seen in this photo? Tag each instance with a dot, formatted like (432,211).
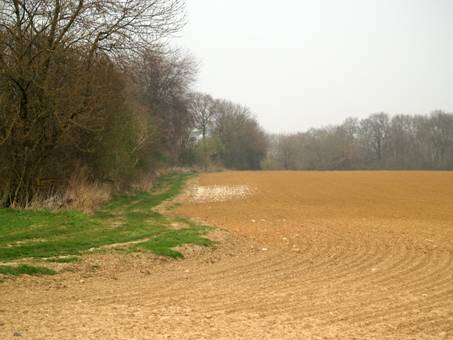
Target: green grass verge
(47,234)
(164,243)
(25,269)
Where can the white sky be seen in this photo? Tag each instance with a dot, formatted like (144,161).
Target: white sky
(308,63)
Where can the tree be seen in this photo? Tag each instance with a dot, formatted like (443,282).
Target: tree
(440,129)
(374,131)
(403,147)
(284,152)
(60,80)
(164,81)
(376,142)
(203,111)
(243,140)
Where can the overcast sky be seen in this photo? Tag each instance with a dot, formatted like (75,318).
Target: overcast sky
(308,63)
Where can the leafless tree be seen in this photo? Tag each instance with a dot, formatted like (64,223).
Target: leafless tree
(244,141)
(376,142)
(203,111)
(60,77)
(165,80)
(375,130)
(202,107)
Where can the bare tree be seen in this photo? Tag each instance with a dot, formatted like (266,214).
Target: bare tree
(440,129)
(164,80)
(244,141)
(59,76)
(203,111)
(374,130)
(376,142)
(288,153)
(114,27)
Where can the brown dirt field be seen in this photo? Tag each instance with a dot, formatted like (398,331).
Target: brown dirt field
(306,255)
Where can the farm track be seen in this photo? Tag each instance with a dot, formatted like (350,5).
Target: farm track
(366,255)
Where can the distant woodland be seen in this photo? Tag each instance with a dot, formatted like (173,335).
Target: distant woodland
(400,142)
(92,95)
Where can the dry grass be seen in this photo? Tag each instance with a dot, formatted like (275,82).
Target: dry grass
(143,184)
(84,196)
(87,196)
(80,194)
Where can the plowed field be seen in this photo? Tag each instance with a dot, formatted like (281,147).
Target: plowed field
(308,255)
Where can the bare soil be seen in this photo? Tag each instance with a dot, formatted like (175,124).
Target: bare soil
(302,255)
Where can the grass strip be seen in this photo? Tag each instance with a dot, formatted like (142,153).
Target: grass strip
(26,270)
(54,234)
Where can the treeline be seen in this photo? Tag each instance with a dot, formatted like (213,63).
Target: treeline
(90,93)
(90,87)
(378,142)
(227,134)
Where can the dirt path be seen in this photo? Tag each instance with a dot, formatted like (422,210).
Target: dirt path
(309,255)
